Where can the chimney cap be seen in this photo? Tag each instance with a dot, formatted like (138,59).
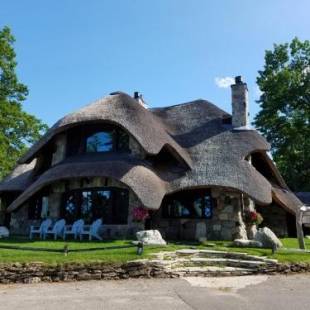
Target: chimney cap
(136,95)
(238,79)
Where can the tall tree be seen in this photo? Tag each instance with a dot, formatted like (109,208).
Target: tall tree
(284,118)
(18,129)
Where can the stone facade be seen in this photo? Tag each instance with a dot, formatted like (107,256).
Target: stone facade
(226,222)
(20,223)
(60,152)
(275,218)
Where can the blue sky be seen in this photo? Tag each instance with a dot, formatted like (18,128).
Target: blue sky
(71,52)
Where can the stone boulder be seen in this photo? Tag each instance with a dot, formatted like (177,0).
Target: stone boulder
(4,232)
(268,238)
(243,243)
(150,237)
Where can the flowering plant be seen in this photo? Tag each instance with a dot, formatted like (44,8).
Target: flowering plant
(139,214)
(253,217)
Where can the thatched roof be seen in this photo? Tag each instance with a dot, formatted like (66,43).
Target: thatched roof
(124,111)
(218,152)
(197,134)
(286,199)
(135,174)
(19,179)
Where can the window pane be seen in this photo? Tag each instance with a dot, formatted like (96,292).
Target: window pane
(109,204)
(188,204)
(100,142)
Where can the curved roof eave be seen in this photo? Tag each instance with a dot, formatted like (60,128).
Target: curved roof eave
(286,199)
(241,177)
(148,187)
(19,178)
(125,111)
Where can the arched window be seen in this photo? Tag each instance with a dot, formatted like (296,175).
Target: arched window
(97,138)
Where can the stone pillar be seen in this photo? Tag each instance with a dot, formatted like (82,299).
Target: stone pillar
(54,205)
(249,206)
(61,145)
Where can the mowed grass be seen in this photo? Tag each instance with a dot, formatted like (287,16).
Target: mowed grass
(119,251)
(112,251)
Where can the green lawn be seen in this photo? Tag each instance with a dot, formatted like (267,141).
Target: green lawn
(120,251)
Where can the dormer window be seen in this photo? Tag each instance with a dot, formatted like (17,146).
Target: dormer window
(100,142)
(97,138)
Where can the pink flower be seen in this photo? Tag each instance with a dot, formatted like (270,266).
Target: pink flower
(140,214)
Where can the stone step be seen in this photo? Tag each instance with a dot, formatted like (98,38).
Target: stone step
(212,271)
(197,261)
(222,254)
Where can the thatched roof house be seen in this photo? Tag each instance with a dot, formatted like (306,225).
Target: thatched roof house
(197,169)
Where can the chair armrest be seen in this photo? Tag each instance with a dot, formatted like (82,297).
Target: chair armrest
(34,227)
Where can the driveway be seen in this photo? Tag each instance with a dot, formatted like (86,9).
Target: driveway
(252,292)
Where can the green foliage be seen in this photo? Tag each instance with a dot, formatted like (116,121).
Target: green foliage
(18,129)
(284,118)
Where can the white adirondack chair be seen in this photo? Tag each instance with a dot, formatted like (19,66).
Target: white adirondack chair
(56,230)
(40,230)
(74,229)
(92,230)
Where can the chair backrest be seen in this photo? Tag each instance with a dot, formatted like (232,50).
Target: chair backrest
(59,226)
(95,225)
(77,226)
(45,225)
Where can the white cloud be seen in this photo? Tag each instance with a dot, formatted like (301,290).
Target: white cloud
(224,82)
(257,92)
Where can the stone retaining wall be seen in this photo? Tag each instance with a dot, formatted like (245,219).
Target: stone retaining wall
(38,272)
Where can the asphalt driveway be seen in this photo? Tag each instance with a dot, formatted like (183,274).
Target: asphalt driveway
(253,292)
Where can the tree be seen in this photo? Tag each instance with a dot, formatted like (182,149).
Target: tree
(18,129)
(284,118)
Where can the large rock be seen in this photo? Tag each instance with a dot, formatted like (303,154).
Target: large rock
(150,237)
(4,232)
(247,243)
(268,239)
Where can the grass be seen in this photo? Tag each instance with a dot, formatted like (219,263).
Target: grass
(117,251)
(82,251)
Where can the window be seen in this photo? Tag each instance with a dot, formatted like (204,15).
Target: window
(97,138)
(188,204)
(100,142)
(108,203)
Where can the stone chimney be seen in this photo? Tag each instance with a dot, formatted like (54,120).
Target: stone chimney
(240,103)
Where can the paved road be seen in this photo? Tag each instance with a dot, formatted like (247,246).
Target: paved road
(255,292)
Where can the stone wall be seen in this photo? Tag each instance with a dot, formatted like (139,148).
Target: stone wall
(225,224)
(135,148)
(39,272)
(60,149)
(275,218)
(20,224)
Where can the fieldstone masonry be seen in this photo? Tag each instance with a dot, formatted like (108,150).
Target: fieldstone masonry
(20,223)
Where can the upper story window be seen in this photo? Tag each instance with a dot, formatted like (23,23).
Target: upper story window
(100,142)
(97,138)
